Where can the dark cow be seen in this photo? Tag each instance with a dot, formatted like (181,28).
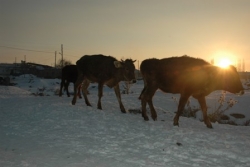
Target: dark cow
(103,70)
(1,80)
(187,76)
(69,74)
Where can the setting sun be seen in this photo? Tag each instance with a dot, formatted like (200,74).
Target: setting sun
(224,58)
(224,63)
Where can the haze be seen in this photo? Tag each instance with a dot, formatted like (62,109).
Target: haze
(141,29)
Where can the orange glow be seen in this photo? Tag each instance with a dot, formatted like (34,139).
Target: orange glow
(223,59)
(224,63)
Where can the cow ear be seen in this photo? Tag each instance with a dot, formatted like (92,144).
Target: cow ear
(133,61)
(117,64)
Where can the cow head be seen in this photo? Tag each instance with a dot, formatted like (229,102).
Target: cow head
(127,68)
(232,81)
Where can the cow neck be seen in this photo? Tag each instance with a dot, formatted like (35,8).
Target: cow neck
(214,82)
(221,80)
(111,83)
(119,75)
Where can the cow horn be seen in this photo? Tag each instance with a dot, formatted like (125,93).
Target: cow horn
(117,64)
(133,61)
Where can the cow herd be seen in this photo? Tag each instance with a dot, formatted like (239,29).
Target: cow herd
(184,75)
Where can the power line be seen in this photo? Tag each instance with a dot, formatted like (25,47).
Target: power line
(25,49)
(30,50)
(70,55)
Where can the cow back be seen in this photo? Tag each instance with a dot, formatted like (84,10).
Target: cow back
(97,67)
(175,74)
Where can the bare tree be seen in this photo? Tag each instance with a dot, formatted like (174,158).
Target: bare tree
(64,62)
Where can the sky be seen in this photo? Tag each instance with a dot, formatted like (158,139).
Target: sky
(33,30)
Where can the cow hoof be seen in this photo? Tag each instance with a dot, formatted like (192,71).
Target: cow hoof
(146,119)
(176,124)
(123,111)
(154,118)
(210,126)
(208,123)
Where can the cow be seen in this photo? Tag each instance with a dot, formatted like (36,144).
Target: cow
(1,80)
(104,70)
(186,76)
(69,74)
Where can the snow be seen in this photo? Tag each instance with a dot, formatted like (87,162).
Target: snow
(47,131)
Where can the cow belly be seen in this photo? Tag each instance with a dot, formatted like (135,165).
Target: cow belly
(167,85)
(182,86)
(111,83)
(170,89)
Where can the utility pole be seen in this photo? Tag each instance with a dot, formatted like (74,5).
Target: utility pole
(23,66)
(62,53)
(138,73)
(15,66)
(55,59)
(243,65)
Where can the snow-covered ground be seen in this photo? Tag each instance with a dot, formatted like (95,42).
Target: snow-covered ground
(47,131)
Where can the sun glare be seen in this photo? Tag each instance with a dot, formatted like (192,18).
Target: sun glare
(224,63)
(223,59)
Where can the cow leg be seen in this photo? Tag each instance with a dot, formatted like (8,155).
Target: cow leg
(143,109)
(203,105)
(143,105)
(66,87)
(118,96)
(79,91)
(61,86)
(100,94)
(85,86)
(146,97)
(76,85)
(150,103)
(152,109)
(143,90)
(182,102)
(82,88)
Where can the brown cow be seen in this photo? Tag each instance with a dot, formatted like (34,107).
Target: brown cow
(69,74)
(103,70)
(187,76)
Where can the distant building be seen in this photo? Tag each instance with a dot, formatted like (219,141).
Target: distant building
(244,75)
(39,70)
(8,69)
